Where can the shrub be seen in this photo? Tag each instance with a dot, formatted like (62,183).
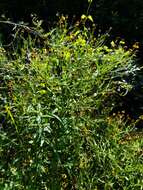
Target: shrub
(56,132)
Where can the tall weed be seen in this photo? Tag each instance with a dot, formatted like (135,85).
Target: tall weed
(56,128)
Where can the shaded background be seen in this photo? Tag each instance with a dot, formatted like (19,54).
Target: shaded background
(124,16)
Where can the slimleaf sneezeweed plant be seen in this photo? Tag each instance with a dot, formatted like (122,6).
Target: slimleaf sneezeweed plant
(56,127)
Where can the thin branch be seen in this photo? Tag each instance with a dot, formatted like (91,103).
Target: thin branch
(27,28)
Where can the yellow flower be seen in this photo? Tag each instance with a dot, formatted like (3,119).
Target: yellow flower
(113,44)
(136,45)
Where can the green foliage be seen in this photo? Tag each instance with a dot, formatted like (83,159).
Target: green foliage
(56,131)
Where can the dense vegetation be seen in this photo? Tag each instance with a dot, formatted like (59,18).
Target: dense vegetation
(58,129)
